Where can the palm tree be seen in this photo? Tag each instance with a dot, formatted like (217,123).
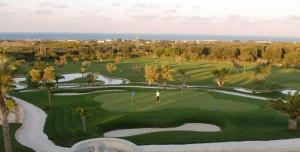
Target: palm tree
(8,69)
(289,106)
(84,66)
(136,69)
(221,76)
(111,67)
(91,78)
(83,112)
(262,71)
(13,107)
(182,72)
(46,76)
(57,77)
(151,74)
(166,74)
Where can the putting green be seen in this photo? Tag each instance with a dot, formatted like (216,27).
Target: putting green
(198,99)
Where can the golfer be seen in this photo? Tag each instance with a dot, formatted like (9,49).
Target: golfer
(157,97)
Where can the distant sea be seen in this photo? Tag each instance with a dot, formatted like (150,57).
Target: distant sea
(104,36)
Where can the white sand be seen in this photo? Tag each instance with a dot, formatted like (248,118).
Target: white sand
(70,77)
(73,76)
(18,84)
(106,80)
(112,81)
(199,127)
(77,94)
(288,92)
(240,94)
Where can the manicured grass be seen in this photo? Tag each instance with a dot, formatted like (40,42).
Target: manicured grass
(240,118)
(198,72)
(17,147)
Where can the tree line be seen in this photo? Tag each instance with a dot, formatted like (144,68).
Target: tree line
(282,53)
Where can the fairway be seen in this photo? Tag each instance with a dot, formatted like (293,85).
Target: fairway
(144,100)
(240,118)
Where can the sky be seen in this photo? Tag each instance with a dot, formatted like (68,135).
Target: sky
(215,17)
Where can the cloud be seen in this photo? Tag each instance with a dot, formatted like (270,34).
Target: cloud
(171,11)
(99,9)
(2,4)
(43,11)
(145,6)
(171,18)
(199,19)
(177,6)
(144,17)
(48,4)
(294,17)
(115,4)
(233,18)
(10,13)
(61,6)
(92,17)
(44,4)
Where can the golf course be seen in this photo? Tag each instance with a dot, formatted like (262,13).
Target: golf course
(241,116)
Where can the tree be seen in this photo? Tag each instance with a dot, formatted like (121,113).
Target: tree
(178,59)
(273,54)
(117,59)
(91,78)
(111,67)
(289,106)
(13,107)
(166,74)
(61,61)
(84,66)
(75,59)
(57,77)
(151,74)
(82,70)
(46,77)
(221,76)
(99,55)
(238,65)
(8,68)
(182,72)
(262,71)
(292,59)
(83,113)
(136,69)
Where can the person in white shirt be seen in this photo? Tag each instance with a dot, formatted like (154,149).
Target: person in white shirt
(157,97)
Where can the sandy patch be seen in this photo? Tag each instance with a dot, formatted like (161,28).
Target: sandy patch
(199,127)
(240,94)
(77,94)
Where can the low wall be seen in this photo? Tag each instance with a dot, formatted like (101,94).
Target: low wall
(105,145)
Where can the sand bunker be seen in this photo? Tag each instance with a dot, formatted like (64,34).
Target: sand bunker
(199,127)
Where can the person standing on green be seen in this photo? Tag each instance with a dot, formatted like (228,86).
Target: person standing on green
(157,97)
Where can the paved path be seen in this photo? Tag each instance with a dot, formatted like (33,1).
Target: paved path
(31,133)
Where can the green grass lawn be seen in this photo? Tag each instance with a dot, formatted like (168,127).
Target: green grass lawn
(17,147)
(240,118)
(199,72)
